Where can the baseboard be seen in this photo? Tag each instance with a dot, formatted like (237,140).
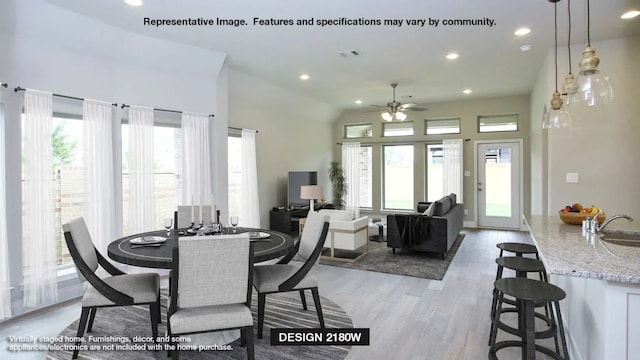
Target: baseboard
(469,224)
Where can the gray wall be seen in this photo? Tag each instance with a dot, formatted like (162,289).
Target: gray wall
(294,135)
(468,112)
(602,146)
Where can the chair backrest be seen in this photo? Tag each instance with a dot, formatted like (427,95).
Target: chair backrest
(81,239)
(313,229)
(184,215)
(213,270)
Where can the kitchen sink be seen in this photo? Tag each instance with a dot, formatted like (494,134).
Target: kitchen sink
(624,239)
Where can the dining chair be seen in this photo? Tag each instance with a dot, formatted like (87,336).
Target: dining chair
(118,289)
(292,271)
(184,215)
(211,288)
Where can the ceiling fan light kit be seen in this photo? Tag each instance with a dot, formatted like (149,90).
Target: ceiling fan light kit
(395,110)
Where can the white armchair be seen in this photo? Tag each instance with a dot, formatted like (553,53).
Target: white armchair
(346,233)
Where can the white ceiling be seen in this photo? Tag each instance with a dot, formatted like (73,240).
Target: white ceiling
(490,61)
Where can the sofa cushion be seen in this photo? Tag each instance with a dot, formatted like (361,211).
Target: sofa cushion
(337,214)
(442,206)
(429,211)
(453,198)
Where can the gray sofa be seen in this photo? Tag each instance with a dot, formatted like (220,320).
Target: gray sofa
(433,228)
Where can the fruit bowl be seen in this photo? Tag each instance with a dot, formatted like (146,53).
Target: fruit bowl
(574,218)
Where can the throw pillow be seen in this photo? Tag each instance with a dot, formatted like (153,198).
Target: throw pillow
(430,210)
(453,199)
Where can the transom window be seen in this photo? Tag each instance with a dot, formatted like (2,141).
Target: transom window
(496,123)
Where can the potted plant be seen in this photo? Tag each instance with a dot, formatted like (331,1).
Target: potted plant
(336,175)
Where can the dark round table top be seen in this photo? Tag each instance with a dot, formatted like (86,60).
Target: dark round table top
(159,257)
(518,248)
(520,264)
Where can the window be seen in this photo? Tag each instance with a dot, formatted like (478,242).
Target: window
(496,123)
(442,126)
(366,176)
(167,143)
(398,177)
(357,131)
(235,174)
(397,129)
(68,178)
(435,173)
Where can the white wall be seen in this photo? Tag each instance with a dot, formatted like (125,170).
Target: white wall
(294,135)
(602,146)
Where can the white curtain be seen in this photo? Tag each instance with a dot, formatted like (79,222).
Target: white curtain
(351,166)
(452,167)
(250,209)
(5,294)
(38,243)
(99,206)
(141,186)
(196,163)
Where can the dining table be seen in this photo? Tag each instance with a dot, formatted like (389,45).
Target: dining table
(268,245)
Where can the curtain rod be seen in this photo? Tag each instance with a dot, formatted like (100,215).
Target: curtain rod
(235,128)
(399,141)
(164,110)
(60,96)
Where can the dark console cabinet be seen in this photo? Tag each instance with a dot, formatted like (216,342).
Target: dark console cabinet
(283,221)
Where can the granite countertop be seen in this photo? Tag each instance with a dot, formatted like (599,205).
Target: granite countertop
(566,251)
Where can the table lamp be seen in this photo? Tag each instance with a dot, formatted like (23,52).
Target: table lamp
(311,193)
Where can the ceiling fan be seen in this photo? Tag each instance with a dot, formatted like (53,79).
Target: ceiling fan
(396,109)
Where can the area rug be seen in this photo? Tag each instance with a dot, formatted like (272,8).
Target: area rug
(380,258)
(282,310)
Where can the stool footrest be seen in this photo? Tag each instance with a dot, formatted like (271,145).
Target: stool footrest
(515,343)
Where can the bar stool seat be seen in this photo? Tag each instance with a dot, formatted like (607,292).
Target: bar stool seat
(518,248)
(522,266)
(527,293)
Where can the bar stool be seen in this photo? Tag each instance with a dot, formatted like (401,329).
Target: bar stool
(522,266)
(518,248)
(527,293)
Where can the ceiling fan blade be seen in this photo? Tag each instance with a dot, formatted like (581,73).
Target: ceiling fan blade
(380,106)
(369,111)
(417,109)
(406,106)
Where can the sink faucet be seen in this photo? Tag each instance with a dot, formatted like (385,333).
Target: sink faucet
(594,222)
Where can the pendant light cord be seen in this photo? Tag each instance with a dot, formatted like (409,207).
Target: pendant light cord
(555,23)
(588,23)
(569,38)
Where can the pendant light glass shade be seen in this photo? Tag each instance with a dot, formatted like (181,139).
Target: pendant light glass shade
(594,86)
(557,115)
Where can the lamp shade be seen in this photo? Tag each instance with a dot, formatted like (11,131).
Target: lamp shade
(311,192)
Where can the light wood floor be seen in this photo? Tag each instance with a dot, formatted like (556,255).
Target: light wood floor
(409,318)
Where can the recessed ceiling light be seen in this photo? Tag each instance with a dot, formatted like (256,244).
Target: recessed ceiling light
(304,77)
(630,14)
(525,48)
(467,91)
(358,101)
(452,56)
(134,2)
(522,31)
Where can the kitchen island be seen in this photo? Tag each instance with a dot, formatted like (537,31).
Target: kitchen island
(602,281)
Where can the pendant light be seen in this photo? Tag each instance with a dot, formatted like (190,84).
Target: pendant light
(557,116)
(570,86)
(594,86)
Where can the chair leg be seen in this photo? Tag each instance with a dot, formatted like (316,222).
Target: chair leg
(154,312)
(92,316)
(316,302)
(249,337)
(243,337)
(304,300)
(81,327)
(261,301)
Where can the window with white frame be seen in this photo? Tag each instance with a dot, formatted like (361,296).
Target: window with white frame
(167,157)
(498,123)
(442,126)
(398,177)
(358,131)
(397,128)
